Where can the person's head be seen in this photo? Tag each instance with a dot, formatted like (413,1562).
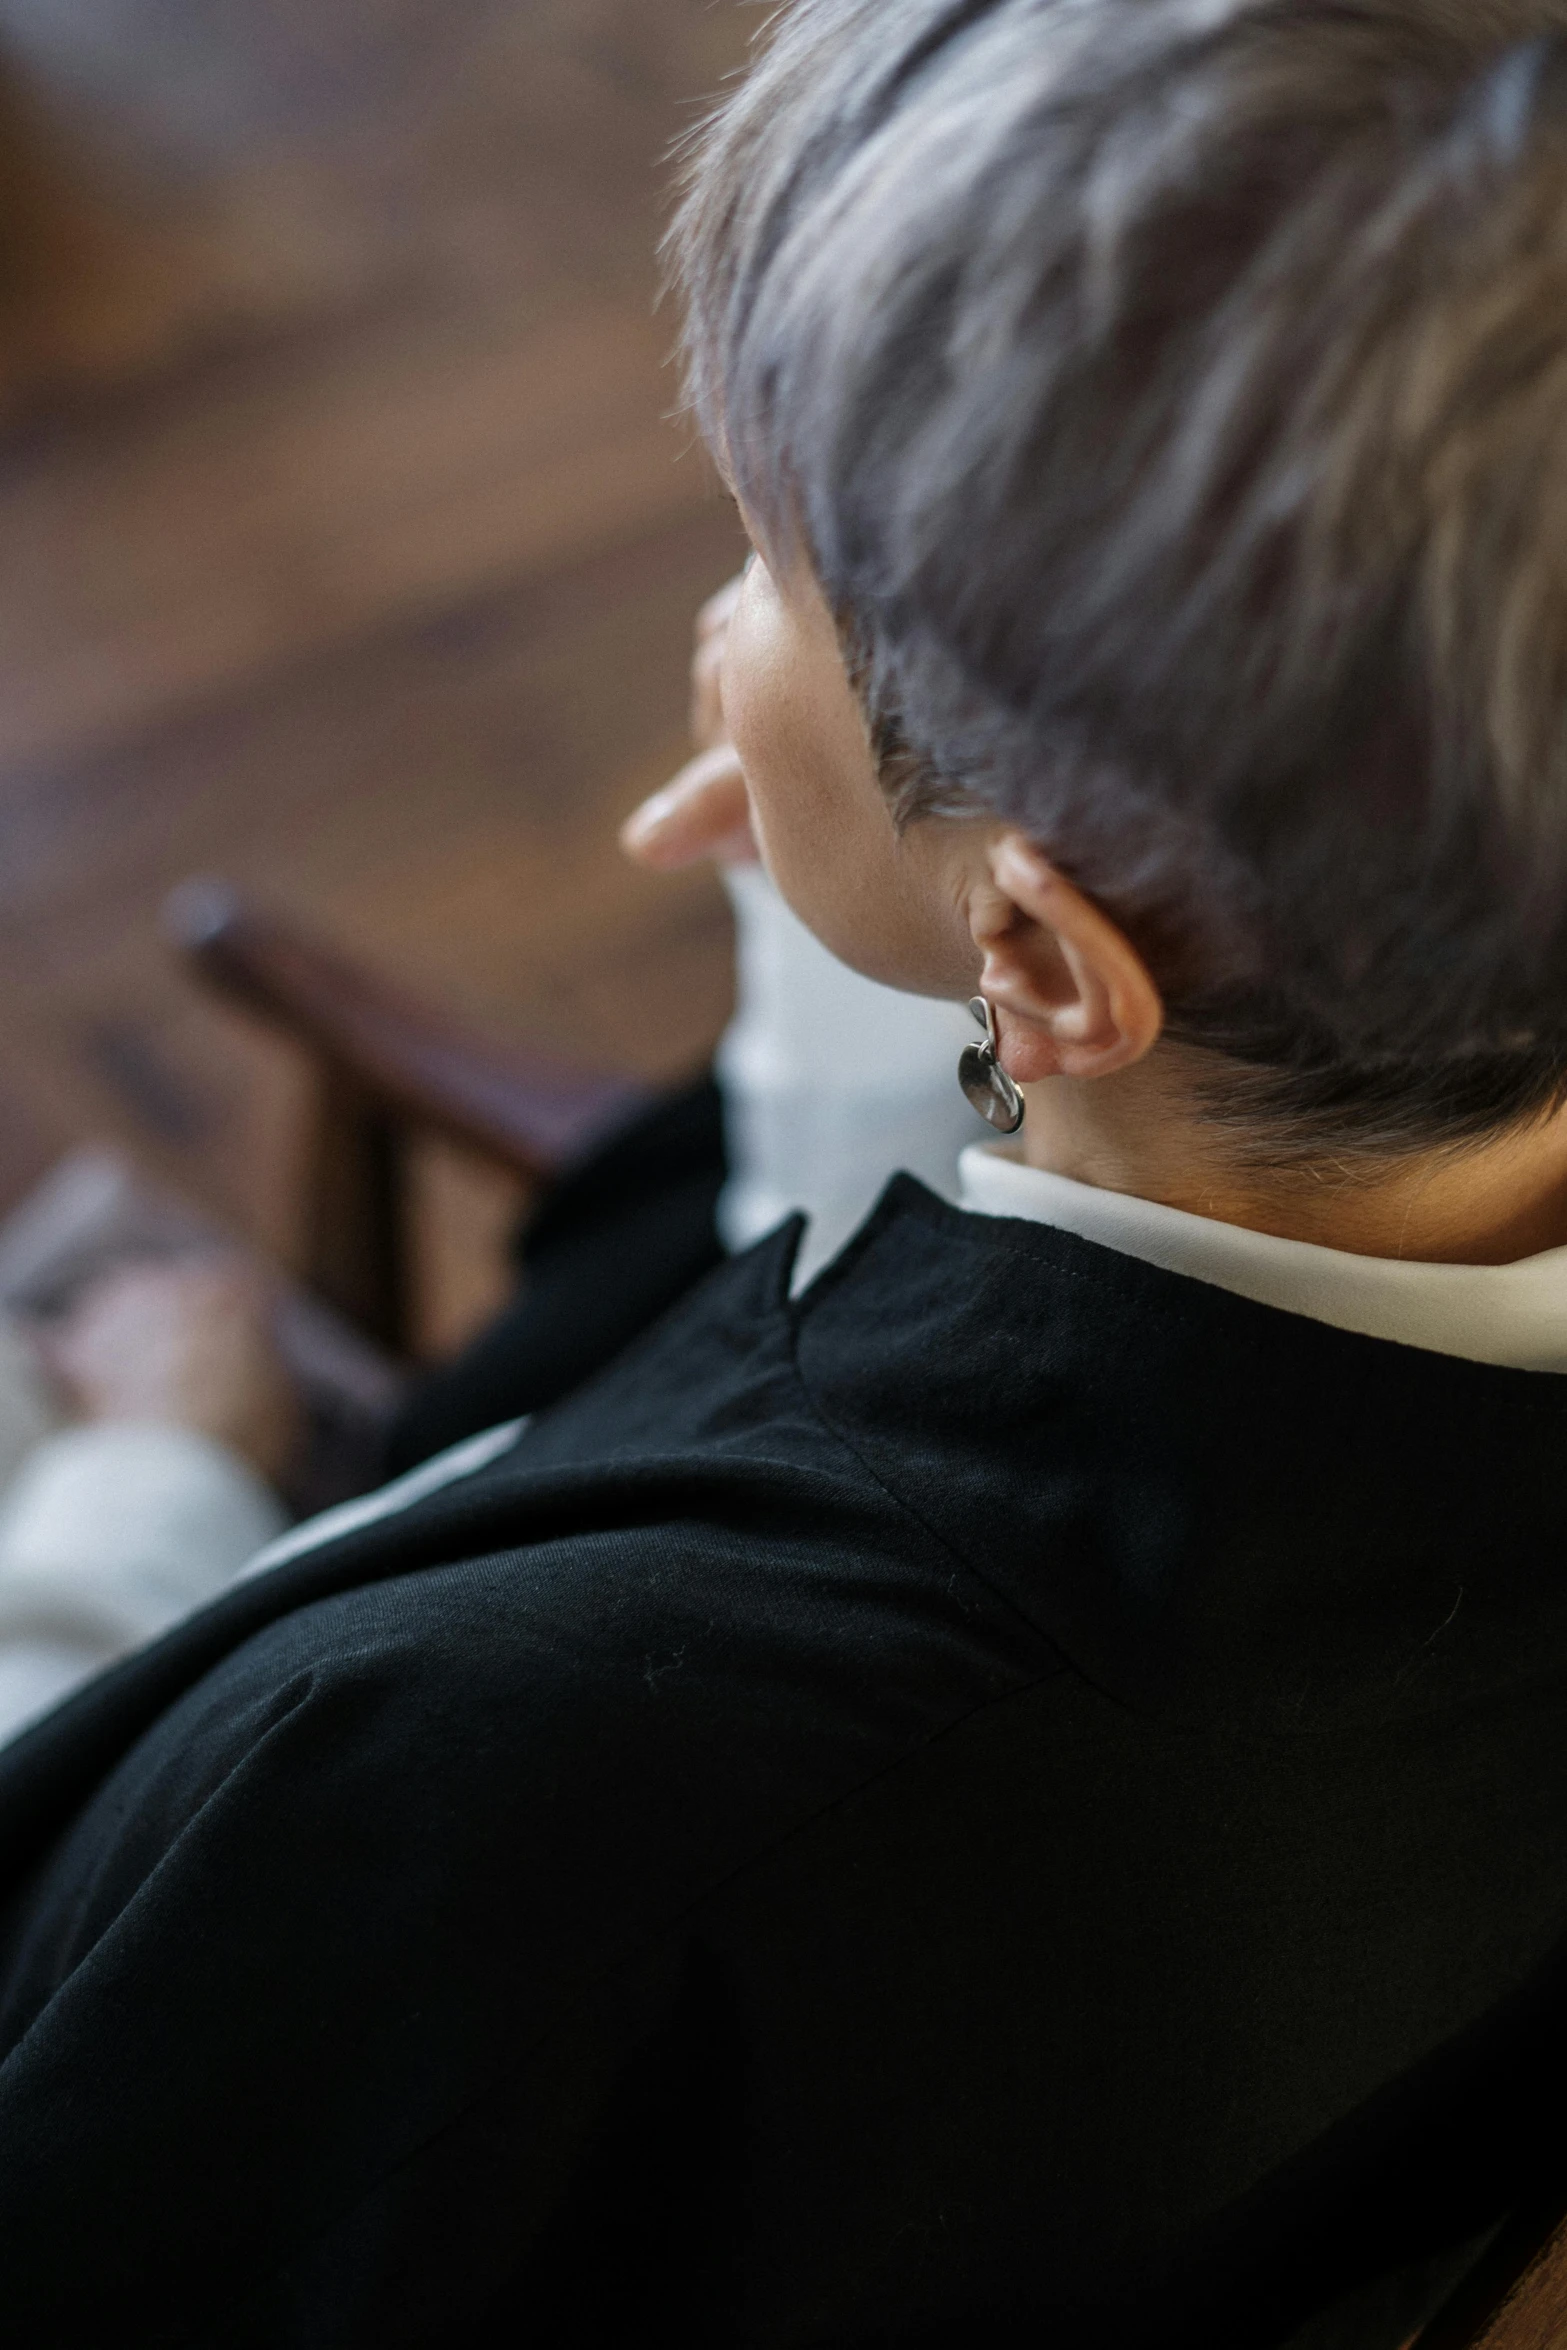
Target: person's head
(1154,417)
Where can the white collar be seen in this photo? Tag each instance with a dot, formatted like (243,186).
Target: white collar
(1514,1315)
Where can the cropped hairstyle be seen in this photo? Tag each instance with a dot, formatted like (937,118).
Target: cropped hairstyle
(1170,398)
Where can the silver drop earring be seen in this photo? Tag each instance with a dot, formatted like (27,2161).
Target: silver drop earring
(988,1087)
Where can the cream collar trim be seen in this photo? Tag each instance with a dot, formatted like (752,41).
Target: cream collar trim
(1512,1315)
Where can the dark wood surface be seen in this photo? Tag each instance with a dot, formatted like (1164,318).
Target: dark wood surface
(1516,2296)
(350,550)
(389,1072)
(533,1112)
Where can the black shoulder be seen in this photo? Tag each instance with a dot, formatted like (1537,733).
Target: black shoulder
(587,1732)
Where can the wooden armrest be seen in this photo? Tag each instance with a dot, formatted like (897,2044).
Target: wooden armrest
(389,1066)
(531,1112)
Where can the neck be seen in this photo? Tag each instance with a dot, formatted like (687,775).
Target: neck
(1141,1132)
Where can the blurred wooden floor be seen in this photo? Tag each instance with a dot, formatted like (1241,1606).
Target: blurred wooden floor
(346,546)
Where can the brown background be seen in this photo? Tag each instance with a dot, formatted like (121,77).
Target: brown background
(348,546)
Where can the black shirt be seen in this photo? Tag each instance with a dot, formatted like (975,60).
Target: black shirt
(1016,1797)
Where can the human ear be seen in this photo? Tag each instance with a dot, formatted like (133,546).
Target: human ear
(1073,997)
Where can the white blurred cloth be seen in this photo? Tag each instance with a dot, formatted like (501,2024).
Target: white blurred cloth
(830,1083)
(108,1535)
(27,1410)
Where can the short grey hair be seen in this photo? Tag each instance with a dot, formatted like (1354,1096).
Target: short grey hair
(1171,399)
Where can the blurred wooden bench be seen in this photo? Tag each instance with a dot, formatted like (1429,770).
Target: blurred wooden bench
(389,1068)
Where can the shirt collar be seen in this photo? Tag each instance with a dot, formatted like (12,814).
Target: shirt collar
(1512,1315)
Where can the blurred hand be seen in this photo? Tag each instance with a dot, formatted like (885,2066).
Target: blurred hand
(188,1346)
(702,811)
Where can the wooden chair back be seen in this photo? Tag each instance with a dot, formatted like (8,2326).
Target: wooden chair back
(388,1068)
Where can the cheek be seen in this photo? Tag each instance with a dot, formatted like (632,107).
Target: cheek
(821,823)
(766,688)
